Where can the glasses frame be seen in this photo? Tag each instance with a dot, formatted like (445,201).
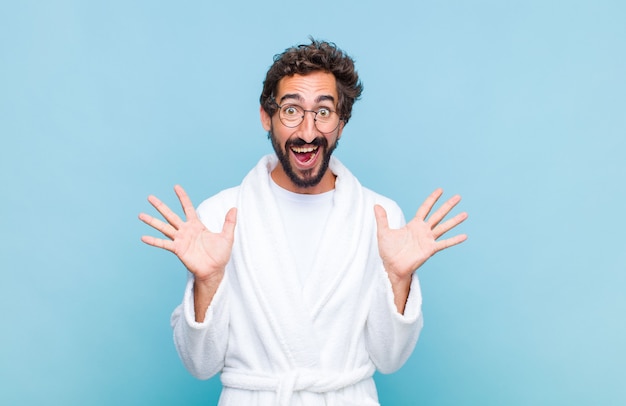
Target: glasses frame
(304,113)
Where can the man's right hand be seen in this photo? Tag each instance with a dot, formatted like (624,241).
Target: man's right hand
(205,254)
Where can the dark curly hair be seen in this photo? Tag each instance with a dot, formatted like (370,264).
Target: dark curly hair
(307,58)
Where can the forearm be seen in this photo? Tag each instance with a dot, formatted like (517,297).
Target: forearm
(400,288)
(203,293)
(202,345)
(391,335)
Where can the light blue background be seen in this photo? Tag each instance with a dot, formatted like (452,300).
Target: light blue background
(520,106)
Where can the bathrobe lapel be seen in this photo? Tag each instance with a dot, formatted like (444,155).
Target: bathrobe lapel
(346,236)
(268,273)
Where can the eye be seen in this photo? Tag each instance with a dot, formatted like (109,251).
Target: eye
(291,111)
(323,112)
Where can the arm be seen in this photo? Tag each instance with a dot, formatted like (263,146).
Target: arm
(395,316)
(391,335)
(204,254)
(404,250)
(200,323)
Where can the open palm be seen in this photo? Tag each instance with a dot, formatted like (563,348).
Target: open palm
(205,254)
(406,249)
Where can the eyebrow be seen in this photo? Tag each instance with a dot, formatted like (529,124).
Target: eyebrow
(296,96)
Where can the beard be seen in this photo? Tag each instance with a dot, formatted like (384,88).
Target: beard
(310,177)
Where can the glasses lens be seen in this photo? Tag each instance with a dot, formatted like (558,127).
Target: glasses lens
(291,115)
(326,120)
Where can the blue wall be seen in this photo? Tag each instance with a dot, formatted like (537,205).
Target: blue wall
(520,106)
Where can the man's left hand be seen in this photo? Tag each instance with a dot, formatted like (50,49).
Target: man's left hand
(405,249)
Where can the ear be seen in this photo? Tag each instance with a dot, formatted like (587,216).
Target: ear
(266,120)
(340,129)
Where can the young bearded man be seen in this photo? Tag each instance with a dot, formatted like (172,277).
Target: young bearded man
(310,286)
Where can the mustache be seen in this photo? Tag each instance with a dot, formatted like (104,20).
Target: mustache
(299,142)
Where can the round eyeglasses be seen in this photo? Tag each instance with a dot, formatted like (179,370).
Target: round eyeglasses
(292,115)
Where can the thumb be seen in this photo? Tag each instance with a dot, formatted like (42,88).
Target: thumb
(381,218)
(229,223)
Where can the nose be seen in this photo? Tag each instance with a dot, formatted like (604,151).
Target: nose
(307,126)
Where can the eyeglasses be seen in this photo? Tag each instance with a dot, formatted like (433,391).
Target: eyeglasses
(292,115)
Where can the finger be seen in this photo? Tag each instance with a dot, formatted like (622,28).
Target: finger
(428,204)
(450,242)
(382,223)
(229,223)
(448,225)
(158,225)
(185,202)
(158,242)
(165,211)
(443,211)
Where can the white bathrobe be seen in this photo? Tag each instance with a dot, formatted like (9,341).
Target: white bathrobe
(278,342)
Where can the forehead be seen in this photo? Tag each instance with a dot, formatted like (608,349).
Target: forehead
(308,87)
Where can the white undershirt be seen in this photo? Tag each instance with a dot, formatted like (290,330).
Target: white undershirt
(304,217)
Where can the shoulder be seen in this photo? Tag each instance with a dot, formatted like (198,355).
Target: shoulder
(213,210)
(394,212)
(380,199)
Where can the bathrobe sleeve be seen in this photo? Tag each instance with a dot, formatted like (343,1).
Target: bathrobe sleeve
(202,346)
(391,336)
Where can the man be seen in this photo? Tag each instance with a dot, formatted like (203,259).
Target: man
(310,286)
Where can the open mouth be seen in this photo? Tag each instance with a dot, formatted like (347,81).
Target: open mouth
(306,154)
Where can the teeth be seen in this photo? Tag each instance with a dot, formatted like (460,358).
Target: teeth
(302,150)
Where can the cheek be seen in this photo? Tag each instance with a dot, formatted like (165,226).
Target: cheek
(332,139)
(280,137)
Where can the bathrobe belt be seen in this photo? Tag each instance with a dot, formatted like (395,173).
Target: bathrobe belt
(295,380)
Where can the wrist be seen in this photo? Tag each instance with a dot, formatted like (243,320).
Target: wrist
(400,280)
(398,276)
(209,281)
